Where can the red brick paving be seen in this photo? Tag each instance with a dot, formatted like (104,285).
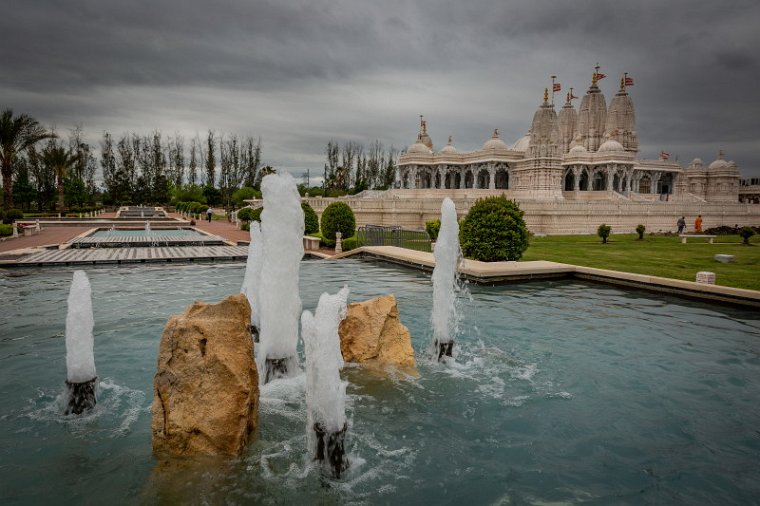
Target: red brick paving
(220,228)
(50,235)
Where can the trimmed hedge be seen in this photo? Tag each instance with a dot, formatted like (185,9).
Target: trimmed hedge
(245,214)
(338,217)
(350,243)
(604,232)
(310,219)
(494,231)
(433,227)
(6,230)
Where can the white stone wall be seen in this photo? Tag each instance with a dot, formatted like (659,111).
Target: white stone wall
(412,208)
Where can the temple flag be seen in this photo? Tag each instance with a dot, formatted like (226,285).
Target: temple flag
(599,76)
(556,87)
(664,155)
(628,81)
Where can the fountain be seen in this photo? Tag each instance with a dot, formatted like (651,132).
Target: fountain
(282,229)
(444,317)
(80,361)
(325,392)
(252,277)
(563,392)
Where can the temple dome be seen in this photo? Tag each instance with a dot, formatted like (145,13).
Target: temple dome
(448,148)
(611,145)
(522,143)
(718,164)
(418,147)
(577,150)
(494,142)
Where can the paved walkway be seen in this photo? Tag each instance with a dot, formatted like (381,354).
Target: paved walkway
(48,236)
(224,229)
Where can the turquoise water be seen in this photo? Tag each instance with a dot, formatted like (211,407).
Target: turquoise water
(562,392)
(139,232)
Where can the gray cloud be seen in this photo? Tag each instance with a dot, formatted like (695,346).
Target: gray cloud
(298,73)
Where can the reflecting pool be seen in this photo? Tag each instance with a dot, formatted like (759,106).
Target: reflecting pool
(561,392)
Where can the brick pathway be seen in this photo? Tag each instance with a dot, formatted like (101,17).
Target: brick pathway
(220,228)
(50,235)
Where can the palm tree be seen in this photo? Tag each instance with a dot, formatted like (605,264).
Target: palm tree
(60,160)
(16,134)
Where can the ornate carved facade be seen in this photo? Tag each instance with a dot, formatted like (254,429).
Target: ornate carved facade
(562,157)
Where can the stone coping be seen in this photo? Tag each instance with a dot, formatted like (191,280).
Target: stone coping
(508,272)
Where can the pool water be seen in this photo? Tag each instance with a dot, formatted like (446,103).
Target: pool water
(562,392)
(140,232)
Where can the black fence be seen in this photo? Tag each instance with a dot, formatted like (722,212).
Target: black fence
(374,235)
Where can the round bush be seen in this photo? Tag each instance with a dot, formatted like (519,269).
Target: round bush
(338,217)
(604,232)
(494,231)
(245,214)
(310,219)
(433,227)
(6,230)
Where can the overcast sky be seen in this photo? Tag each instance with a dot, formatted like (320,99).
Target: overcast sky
(299,73)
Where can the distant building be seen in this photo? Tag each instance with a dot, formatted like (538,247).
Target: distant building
(588,154)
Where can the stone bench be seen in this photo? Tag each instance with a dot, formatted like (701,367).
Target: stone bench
(310,243)
(697,236)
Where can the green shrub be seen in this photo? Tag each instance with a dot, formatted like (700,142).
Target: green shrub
(6,230)
(245,214)
(350,243)
(246,227)
(310,219)
(640,229)
(746,233)
(433,227)
(338,217)
(12,215)
(494,231)
(604,232)
(240,195)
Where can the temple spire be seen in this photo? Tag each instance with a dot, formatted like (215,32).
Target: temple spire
(546,96)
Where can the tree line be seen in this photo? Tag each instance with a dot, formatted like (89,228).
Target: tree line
(44,170)
(351,167)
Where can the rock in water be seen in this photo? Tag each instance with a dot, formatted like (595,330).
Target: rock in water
(206,390)
(372,332)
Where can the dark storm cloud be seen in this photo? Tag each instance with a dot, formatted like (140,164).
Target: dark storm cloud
(300,73)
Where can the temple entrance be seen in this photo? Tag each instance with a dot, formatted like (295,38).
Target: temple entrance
(570,181)
(483,178)
(645,185)
(469,179)
(583,182)
(600,182)
(502,179)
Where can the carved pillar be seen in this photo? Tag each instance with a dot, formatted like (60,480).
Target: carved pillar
(576,177)
(491,177)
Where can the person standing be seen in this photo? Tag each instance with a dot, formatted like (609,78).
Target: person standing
(698,224)
(681,223)
(209,212)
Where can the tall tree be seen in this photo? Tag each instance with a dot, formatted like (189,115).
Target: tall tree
(61,161)
(108,163)
(17,133)
(210,160)
(192,169)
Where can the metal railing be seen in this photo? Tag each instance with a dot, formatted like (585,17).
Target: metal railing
(375,235)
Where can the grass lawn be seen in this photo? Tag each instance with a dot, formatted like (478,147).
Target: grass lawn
(656,256)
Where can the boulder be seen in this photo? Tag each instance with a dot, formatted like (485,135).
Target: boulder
(372,332)
(206,390)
